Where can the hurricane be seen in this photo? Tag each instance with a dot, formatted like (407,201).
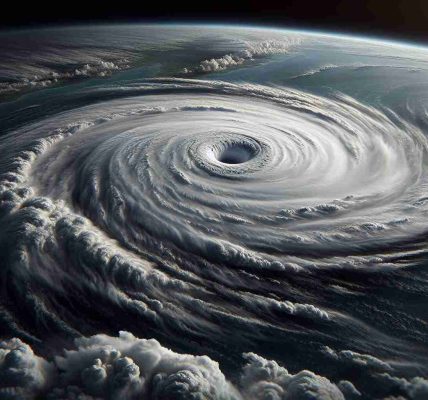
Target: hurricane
(229,230)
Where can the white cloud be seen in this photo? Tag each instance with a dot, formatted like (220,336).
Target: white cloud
(251,51)
(349,390)
(21,371)
(47,77)
(362,360)
(263,379)
(126,367)
(415,388)
(218,64)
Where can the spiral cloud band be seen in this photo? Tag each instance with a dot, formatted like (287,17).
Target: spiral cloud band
(203,209)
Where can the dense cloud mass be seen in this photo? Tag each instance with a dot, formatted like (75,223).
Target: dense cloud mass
(263,379)
(250,241)
(126,367)
(252,51)
(22,373)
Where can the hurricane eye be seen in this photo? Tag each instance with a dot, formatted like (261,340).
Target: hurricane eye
(235,154)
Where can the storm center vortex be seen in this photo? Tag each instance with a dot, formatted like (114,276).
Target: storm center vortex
(236,153)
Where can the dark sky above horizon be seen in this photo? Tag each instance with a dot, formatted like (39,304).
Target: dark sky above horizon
(402,19)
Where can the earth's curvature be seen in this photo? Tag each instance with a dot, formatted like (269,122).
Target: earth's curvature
(212,212)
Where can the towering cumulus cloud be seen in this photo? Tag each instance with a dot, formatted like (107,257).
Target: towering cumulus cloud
(130,368)
(231,218)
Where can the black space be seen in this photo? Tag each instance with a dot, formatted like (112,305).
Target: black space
(401,19)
